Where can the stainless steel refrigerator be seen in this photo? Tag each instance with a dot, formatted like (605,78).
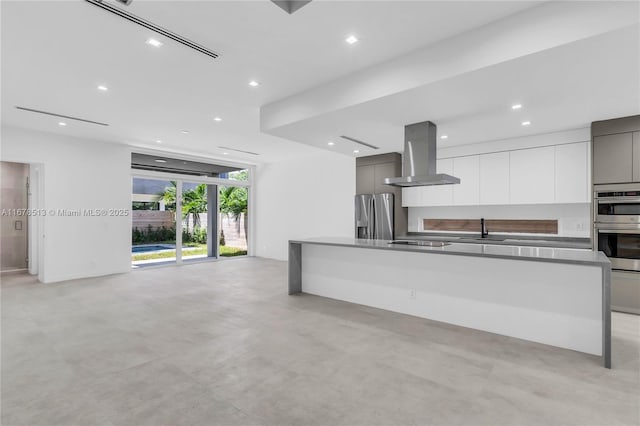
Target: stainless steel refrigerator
(374,216)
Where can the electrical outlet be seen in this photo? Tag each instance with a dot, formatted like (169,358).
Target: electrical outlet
(412,293)
(579,226)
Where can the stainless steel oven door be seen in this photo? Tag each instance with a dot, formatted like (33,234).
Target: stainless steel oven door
(621,244)
(623,210)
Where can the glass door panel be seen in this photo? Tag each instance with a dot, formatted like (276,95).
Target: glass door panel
(198,226)
(233,221)
(153,220)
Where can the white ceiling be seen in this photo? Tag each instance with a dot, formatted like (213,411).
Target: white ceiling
(563,88)
(55,53)
(566,63)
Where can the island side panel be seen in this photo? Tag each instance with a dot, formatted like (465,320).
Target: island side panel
(295,268)
(606,316)
(551,303)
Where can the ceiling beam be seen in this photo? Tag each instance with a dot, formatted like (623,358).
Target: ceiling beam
(291,6)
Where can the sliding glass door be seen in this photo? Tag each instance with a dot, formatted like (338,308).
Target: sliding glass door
(199,221)
(153,222)
(187,219)
(233,221)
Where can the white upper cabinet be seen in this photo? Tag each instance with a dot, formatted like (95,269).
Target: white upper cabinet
(572,173)
(467,192)
(550,174)
(494,178)
(439,195)
(412,196)
(532,176)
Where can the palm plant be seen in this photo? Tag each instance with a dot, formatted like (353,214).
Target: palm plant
(194,202)
(233,202)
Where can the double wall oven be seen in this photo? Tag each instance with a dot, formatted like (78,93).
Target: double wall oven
(617,234)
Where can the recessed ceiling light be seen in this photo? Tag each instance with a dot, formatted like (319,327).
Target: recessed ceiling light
(217,119)
(184,132)
(153,42)
(444,137)
(526,123)
(351,39)
(225,153)
(254,83)
(330,143)
(516,106)
(160,160)
(355,151)
(62,123)
(158,141)
(103,88)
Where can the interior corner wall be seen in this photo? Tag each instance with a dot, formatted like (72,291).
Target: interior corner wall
(303,197)
(78,174)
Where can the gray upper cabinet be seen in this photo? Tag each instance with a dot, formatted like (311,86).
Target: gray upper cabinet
(365,179)
(371,171)
(636,156)
(381,171)
(613,158)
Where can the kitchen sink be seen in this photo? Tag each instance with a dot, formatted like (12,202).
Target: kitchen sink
(423,243)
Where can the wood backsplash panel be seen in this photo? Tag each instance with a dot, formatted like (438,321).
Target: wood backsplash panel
(493,225)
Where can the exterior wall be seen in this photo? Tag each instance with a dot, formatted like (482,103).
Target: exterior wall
(141,219)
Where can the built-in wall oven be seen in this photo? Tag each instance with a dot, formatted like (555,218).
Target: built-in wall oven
(617,235)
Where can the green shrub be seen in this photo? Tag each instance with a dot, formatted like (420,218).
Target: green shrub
(163,234)
(150,235)
(200,235)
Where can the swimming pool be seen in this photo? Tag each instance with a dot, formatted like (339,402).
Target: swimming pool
(151,247)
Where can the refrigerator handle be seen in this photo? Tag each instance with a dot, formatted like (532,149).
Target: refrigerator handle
(371,229)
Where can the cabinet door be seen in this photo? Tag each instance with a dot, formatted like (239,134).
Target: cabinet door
(365,179)
(381,171)
(532,176)
(613,158)
(412,196)
(636,156)
(494,178)
(439,195)
(467,192)
(572,173)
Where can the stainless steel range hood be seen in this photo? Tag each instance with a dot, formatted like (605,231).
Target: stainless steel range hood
(419,158)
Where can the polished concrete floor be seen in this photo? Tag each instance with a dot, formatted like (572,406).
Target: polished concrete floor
(222,344)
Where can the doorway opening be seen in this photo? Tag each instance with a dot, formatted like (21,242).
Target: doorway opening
(15,217)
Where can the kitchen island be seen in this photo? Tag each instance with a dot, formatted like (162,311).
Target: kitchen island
(554,296)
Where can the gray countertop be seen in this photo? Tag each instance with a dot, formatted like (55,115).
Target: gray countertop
(502,239)
(503,251)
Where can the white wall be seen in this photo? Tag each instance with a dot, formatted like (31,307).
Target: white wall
(77,174)
(301,198)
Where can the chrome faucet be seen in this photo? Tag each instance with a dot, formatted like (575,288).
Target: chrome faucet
(483,229)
